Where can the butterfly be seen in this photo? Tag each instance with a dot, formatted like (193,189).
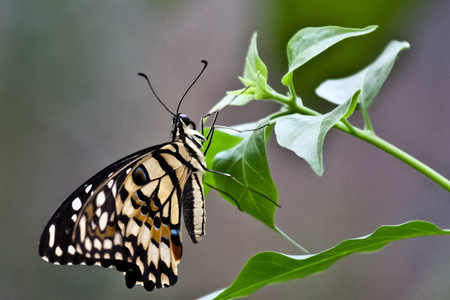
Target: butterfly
(127,216)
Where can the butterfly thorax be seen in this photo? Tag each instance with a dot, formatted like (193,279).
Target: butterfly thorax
(184,130)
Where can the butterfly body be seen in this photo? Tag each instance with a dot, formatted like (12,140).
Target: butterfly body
(127,216)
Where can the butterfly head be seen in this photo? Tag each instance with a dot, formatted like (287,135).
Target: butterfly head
(184,128)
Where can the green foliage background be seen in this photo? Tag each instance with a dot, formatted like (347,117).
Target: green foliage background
(71,103)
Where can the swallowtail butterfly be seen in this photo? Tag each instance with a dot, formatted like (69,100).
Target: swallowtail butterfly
(127,216)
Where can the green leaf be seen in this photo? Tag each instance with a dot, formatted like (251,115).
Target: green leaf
(255,75)
(267,268)
(221,142)
(352,107)
(262,89)
(369,80)
(254,63)
(246,82)
(305,134)
(247,162)
(311,41)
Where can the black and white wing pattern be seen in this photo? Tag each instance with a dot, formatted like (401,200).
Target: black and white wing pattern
(128,215)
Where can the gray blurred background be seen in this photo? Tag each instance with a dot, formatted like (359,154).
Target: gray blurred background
(71,103)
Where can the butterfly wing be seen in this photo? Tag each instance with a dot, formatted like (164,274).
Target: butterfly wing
(149,216)
(57,240)
(84,228)
(127,216)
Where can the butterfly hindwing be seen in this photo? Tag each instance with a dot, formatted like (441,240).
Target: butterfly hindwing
(149,215)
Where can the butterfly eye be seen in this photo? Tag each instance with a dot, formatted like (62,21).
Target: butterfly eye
(185,119)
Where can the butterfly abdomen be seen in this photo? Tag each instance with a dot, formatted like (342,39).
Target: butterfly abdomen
(194,208)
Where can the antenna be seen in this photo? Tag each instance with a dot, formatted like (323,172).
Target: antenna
(146,78)
(204,67)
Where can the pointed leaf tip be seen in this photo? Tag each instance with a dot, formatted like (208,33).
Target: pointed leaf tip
(311,41)
(369,80)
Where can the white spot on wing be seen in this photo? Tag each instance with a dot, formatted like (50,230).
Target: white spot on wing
(117,239)
(118,256)
(82,226)
(51,238)
(93,225)
(128,171)
(97,244)
(71,250)
(100,199)
(88,188)
(76,204)
(74,217)
(110,183)
(114,190)
(107,244)
(58,251)
(88,245)
(103,221)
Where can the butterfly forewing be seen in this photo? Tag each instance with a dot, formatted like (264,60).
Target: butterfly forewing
(58,242)
(128,215)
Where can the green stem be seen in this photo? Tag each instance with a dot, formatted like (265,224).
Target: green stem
(282,98)
(291,240)
(348,125)
(293,93)
(411,161)
(367,123)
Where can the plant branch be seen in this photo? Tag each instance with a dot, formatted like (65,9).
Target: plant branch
(369,137)
(367,123)
(397,153)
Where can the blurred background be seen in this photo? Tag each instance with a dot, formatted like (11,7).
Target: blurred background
(72,103)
